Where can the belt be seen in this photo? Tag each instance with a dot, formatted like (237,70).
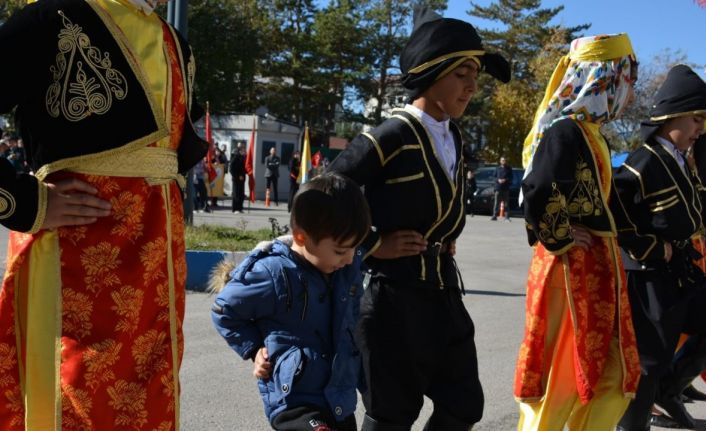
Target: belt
(436,248)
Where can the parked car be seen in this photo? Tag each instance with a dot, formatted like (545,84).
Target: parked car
(484,198)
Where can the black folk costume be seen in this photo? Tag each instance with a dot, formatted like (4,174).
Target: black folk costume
(659,198)
(413,322)
(91,316)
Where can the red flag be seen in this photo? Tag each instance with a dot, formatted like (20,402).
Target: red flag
(210,170)
(249,163)
(316,159)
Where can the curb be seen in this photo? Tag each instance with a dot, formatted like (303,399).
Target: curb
(200,263)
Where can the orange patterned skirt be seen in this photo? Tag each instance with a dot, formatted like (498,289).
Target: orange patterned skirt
(91,317)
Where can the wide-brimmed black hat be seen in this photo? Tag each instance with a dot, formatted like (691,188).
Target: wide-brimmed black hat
(438,45)
(683,93)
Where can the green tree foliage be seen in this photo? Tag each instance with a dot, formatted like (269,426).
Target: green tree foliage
(8,7)
(504,113)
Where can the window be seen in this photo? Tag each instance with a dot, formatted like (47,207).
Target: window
(266,145)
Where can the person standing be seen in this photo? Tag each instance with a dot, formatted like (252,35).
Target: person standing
(663,212)
(471,188)
(415,335)
(294,167)
(272,163)
(503,180)
(578,363)
(237,172)
(92,302)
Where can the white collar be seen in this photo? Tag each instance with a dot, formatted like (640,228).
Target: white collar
(428,119)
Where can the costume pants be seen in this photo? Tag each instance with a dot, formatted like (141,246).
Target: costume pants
(417,341)
(272,185)
(561,405)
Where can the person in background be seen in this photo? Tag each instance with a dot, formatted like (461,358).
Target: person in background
(272,163)
(294,167)
(503,181)
(237,172)
(471,188)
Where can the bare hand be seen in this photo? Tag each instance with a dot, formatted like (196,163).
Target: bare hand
(399,244)
(262,366)
(582,237)
(667,252)
(690,159)
(452,248)
(73,202)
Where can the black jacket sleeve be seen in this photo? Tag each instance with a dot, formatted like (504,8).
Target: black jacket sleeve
(23,199)
(548,185)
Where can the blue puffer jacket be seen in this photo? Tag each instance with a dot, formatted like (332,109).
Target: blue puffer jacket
(279,301)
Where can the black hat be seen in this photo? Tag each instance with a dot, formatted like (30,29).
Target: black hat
(437,45)
(683,93)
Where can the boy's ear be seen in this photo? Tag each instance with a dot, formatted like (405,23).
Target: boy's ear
(299,236)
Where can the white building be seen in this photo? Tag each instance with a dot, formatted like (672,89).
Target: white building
(229,129)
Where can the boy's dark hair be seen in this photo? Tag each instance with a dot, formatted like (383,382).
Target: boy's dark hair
(331,205)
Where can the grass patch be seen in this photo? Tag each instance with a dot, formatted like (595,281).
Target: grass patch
(211,237)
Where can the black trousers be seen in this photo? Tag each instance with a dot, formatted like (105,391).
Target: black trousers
(293,189)
(661,311)
(238,194)
(272,185)
(414,342)
(311,418)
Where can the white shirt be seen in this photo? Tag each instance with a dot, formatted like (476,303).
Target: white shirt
(442,137)
(671,149)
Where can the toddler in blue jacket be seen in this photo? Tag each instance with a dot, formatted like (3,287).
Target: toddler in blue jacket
(293,310)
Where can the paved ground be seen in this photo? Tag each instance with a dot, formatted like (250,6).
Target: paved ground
(219,393)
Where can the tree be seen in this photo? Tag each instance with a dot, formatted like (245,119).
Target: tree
(623,133)
(526,32)
(8,7)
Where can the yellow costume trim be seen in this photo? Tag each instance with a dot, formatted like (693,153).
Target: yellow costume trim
(377,245)
(664,207)
(172,306)
(456,64)
(42,391)
(658,192)
(470,54)
(405,179)
(642,185)
(679,114)
(42,199)
(398,151)
(669,200)
(376,145)
(157,165)
(598,50)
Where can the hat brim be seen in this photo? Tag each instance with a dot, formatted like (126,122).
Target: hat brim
(497,67)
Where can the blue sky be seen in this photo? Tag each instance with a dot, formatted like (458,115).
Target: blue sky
(652,25)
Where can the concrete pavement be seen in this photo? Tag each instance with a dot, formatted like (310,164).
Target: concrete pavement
(219,393)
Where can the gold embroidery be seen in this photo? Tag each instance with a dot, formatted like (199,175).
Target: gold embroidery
(554,224)
(76,309)
(100,263)
(585,198)
(76,406)
(85,81)
(128,401)
(152,258)
(99,359)
(128,305)
(148,353)
(7,204)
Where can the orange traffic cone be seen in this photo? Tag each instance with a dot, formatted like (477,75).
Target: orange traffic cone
(267,197)
(502,209)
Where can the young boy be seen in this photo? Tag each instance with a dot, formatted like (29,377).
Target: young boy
(413,322)
(292,309)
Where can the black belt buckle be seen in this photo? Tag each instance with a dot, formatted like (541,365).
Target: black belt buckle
(433,250)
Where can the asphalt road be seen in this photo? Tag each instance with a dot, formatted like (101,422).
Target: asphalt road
(219,393)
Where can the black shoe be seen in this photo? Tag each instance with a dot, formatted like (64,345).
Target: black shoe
(664,421)
(694,394)
(493,218)
(675,408)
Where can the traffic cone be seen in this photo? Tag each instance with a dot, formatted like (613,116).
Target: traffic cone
(502,209)
(267,197)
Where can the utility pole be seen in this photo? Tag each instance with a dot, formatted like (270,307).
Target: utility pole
(176,16)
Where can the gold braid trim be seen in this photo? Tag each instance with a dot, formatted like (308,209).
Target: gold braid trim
(585,198)
(42,195)
(554,224)
(157,165)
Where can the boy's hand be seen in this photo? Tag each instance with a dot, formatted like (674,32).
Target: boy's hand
(262,366)
(582,237)
(399,244)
